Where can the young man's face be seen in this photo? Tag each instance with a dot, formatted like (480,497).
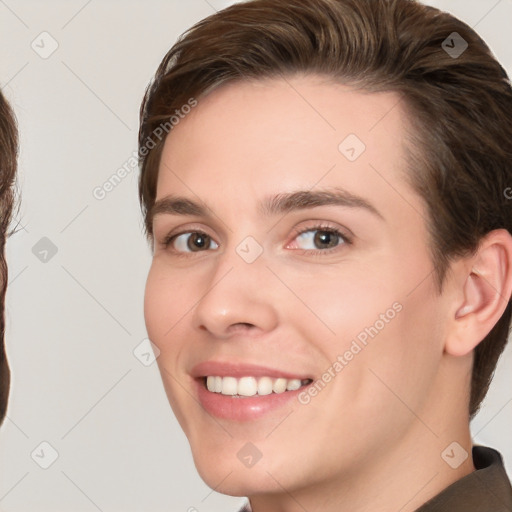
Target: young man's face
(350,306)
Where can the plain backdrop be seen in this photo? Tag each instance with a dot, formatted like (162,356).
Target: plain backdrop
(77,264)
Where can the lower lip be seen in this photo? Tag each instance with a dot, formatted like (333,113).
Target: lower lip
(242,408)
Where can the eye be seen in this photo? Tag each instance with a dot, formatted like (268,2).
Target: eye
(193,241)
(320,238)
(315,240)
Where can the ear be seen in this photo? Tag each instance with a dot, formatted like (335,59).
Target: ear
(486,288)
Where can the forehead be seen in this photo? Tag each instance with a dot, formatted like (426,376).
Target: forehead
(286,134)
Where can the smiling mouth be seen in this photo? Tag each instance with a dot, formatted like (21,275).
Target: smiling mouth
(246,387)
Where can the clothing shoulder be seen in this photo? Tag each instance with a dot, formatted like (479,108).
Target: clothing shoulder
(487,489)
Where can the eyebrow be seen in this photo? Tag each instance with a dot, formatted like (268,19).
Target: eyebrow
(270,206)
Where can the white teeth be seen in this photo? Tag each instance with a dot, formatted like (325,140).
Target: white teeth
(247,386)
(293,384)
(229,386)
(250,386)
(264,386)
(279,386)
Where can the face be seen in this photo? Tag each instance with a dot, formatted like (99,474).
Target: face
(288,255)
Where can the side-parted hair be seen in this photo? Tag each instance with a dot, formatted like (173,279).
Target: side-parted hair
(459,107)
(8,159)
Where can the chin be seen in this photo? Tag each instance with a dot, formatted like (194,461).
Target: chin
(226,474)
(238,483)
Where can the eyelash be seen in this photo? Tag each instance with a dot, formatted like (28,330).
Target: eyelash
(345,239)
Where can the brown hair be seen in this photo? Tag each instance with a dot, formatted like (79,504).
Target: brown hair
(8,156)
(460,107)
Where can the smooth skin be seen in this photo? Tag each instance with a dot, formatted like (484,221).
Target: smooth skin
(372,439)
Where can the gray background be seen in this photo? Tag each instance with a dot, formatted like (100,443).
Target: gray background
(75,317)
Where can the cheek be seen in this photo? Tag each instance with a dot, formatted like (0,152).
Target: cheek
(156,303)
(402,360)
(167,299)
(386,318)
(342,304)
(165,309)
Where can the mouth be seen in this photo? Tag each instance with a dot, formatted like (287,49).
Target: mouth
(243,392)
(246,387)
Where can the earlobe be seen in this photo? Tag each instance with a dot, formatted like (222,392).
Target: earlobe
(486,293)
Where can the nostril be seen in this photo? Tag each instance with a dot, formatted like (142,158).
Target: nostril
(242,325)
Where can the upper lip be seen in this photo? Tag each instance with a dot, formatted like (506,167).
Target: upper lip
(231,369)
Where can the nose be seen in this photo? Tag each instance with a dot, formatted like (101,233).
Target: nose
(237,298)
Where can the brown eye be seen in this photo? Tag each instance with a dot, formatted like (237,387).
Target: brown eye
(326,239)
(198,241)
(320,238)
(191,242)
